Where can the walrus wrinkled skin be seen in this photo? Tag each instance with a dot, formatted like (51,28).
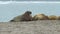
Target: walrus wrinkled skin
(25,17)
(52,17)
(40,17)
(58,18)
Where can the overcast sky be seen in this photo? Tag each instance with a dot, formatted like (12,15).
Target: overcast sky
(30,0)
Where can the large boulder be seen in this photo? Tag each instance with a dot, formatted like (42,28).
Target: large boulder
(40,17)
(24,17)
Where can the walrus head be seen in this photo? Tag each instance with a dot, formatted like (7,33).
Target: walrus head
(27,16)
(28,12)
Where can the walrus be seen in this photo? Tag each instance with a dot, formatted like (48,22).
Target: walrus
(58,18)
(52,17)
(40,17)
(24,17)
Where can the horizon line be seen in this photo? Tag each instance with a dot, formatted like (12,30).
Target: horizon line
(7,2)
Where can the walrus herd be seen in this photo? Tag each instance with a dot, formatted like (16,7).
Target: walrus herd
(28,17)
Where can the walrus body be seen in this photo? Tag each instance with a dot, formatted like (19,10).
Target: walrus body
(25,17)
(52,17)
(58,18)
(40,17)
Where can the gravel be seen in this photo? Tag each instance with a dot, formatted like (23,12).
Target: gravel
(31,27)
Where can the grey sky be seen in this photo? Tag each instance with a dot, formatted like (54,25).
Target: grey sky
(4,0)
(30,0)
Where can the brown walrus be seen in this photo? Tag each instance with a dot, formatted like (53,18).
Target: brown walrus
(40,17)
(58,18)
(25,17)
(52,17)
